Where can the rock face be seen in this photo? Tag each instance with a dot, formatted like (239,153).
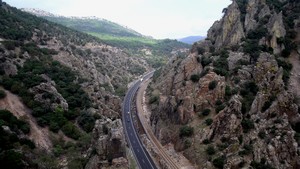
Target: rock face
(229,30)
(250,118)
(277,28)
(109,143)
(228,122)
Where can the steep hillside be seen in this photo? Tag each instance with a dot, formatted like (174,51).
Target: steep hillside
(233,102)
(87,24)
(155,52)
(64,86)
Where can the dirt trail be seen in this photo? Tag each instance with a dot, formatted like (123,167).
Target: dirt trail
(40,136)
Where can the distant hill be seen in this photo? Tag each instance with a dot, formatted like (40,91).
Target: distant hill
(191,39)
(156,52)
(86,24)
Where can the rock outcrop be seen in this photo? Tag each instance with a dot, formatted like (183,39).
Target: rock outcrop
(109,143)
(47,94)
(229,30)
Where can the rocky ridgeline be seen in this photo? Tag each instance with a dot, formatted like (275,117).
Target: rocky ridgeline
(230,102)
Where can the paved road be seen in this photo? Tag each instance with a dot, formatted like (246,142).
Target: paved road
(140,153)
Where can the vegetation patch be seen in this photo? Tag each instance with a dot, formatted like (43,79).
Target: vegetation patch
(212,85)
(210,150)
(195,78)
(206,112)
(219,162)
(208,121)
(64,78)
(247,125)
(186,131)
(2,94)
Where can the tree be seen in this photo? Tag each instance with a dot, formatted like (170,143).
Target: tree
(219,162)
(186,131)
(208,121)
(210,150)
(205,112)
(2,94)
(195,78)
(200,50)
(212,85)
(11,159)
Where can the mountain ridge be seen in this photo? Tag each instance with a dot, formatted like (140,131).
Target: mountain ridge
(156,52)
(51,17)
(191,39)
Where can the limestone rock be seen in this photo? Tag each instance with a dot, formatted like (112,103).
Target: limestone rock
(46,93)
(229,30)
(277,30)
(228,122)
(109,142)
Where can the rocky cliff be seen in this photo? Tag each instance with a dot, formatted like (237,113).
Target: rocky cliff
(233,101)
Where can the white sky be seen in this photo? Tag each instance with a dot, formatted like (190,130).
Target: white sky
(157,18)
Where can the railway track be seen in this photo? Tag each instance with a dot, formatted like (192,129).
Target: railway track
(162,153)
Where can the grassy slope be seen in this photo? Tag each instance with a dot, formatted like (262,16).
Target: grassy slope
(122,37)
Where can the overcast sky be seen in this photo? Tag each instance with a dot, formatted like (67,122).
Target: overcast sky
(157,18)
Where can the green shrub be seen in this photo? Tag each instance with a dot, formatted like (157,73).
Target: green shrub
(105,129)
(260,165)
(71,130)
(247,125)
(187,143)
(200,50)
(27,142)
(275,4)
(262,134)
(8,119)
(219,162)
(219,108)
(219,102)
(154,99)
(208,121)
(206,141)
(212,85)
(221,65)
(86,121)
(205,61)
(228,92)
(186,131)
(195,78)
(2,94)
(222,146)
(210,150)
(205,112)
(11,159)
